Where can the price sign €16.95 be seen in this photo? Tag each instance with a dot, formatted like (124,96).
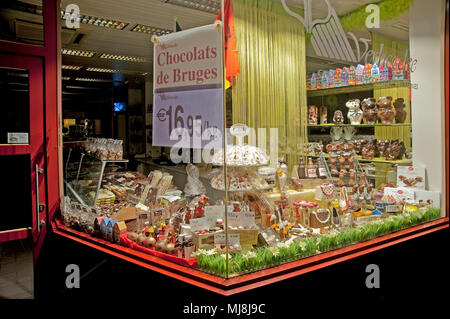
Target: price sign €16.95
(176,117)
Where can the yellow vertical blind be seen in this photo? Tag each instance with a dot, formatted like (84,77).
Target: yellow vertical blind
(270,91)
(401,133)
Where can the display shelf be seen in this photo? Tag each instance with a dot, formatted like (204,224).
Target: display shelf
(358,125)
(105,161)
(358,88)
(405,161)
(84,159)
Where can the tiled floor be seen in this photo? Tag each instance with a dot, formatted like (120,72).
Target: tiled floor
(16,270)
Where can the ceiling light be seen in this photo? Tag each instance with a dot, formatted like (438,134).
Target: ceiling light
(99,22)
(71,67)
(92,80)
(210,6)
(102,70)
(123,57)
(150,30)
(87,54)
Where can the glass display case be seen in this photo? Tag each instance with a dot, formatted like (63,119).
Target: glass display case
(84,175)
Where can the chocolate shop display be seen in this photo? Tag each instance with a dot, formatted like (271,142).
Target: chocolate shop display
(271,207)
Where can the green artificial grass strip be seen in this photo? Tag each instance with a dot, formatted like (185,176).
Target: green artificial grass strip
(262,257)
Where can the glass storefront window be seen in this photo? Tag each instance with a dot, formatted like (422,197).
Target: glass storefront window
(325,131)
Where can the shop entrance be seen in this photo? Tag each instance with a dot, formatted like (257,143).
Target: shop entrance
(22,157)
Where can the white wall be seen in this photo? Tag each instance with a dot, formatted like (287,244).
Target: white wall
(427,46)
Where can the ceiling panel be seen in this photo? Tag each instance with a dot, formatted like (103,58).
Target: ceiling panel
(159,14)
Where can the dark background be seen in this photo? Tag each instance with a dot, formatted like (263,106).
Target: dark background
(414,275)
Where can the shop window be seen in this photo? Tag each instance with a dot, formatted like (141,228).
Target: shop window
(333,136)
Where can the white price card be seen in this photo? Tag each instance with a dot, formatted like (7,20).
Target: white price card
(233,239)
(202,223)
(241,219)
(217,211)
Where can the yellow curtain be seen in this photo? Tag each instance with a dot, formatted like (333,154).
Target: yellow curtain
(401,133)
(270,91)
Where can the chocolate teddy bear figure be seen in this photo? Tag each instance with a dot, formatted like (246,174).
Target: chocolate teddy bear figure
(354,114)
(386,113)
(340,182)
(399,106)
(351,181)
(381,146)
(332,149)
(368,151)
(359,144)
(392,151)
(338,117)
(347,158)
(370,110)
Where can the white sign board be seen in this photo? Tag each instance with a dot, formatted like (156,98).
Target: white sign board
(188,87)
(202,223)
(217,211)
(241,219)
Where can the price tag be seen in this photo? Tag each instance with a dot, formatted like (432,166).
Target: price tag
(217,211)
(239,130)
(241,219)
(233,239)
(391,209)
(183,117)
(202,223)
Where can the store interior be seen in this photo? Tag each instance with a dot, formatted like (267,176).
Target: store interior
(335,164)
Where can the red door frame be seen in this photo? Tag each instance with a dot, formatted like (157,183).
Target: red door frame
(35,148)
(50,56)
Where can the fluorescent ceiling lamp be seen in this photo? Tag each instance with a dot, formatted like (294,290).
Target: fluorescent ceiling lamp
(92,80)
(150,30)
(102,70)
(87,54)
(210,6)
(99,22)
(122,57)
(71,67)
